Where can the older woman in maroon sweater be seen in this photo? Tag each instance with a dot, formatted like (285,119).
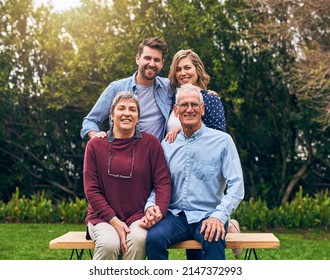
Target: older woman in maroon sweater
(120,172)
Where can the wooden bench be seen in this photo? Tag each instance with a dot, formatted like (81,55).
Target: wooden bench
(76,240)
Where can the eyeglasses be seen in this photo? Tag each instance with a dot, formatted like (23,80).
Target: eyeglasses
(110,160)
(193,106)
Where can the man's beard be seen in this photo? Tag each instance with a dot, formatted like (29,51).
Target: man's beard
(145,76)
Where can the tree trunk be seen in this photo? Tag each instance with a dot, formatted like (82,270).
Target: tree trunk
(298,175)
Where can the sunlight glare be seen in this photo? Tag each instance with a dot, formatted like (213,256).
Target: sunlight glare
(59,5)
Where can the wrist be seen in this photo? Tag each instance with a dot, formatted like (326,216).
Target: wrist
(111,218)
(91,134)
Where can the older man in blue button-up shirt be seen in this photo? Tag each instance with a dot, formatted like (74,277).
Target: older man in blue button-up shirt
(154,93)
(207,183)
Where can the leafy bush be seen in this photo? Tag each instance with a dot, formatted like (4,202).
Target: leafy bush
(72,211)
(302,212)
(39,209)
(36,209)
(252,214)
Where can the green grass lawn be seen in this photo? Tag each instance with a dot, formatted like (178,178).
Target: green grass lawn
(30,242)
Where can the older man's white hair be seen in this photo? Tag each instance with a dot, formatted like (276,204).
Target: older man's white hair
(188,88)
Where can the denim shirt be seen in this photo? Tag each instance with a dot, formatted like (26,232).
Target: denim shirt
(101,110)
(206,175)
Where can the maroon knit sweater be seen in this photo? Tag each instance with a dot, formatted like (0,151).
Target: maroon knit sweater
(124,198)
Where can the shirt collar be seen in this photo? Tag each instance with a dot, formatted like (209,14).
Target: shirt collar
(134,79)
(197,133)
(111,137)
(157,84)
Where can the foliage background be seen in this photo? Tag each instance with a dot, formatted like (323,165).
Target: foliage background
(302,212)
(267,59)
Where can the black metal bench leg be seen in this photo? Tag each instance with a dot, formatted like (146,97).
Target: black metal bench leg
(78,254)
(90,254)
(72,252)
(255,253)
(248,254)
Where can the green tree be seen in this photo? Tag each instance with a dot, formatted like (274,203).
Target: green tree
(37,140)
(55,65)
(295,35)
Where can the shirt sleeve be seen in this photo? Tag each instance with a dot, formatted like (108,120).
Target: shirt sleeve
(233,175)
(99,112)
(214,116)
(161,180)
(151,200)
(92,186)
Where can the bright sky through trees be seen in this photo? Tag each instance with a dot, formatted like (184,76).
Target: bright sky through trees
(59,5)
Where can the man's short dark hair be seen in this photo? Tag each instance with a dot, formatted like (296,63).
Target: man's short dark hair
(155,43)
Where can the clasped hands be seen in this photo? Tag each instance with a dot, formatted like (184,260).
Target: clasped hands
(152,216)
(212,227)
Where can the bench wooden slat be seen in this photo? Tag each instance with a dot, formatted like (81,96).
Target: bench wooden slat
(72,240)
(77,240)
(252,240)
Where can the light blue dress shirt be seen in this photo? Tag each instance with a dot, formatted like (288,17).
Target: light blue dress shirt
(162,93)
(206,174)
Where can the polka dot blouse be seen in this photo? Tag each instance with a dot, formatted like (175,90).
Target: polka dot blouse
(214,116)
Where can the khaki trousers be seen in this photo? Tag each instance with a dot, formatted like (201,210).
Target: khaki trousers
(107,245)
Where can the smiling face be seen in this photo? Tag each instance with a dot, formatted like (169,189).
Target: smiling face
(186,72)
(187,67)
(189,109)
(125,117)
(150,63)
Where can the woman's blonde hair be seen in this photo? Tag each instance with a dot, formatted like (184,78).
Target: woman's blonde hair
(203,78)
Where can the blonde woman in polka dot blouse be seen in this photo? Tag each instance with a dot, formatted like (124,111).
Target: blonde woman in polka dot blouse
(186,68)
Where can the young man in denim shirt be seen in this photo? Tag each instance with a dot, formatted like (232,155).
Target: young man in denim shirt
(153,92)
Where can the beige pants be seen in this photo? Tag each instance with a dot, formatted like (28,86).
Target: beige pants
(107,245)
